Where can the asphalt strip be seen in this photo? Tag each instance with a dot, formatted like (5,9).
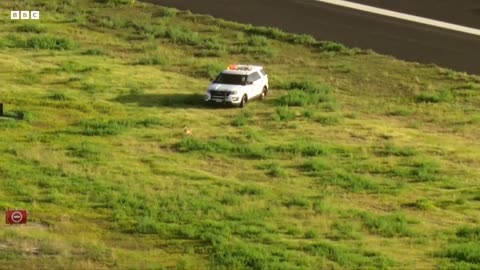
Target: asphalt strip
(403,16)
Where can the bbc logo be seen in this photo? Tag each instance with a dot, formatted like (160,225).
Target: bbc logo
(25,15)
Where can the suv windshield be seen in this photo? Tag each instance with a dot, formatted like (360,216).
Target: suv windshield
(231,79)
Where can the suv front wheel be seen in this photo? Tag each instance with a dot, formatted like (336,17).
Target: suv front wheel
(243,101)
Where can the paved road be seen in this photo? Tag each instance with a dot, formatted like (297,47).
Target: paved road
(462,12)
(405,40)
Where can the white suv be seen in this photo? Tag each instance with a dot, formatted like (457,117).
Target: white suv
(238,84)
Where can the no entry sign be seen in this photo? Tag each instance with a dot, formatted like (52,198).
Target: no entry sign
(16,217)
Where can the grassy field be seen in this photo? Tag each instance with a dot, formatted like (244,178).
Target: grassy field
(355,160)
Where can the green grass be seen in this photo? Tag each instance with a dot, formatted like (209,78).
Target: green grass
(354,161)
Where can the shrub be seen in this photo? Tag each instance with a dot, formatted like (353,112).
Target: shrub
(475,120)
(213,44)
(316,166)
(93,87)
(434,97)
(400,112)
(240,120)
(298,202)
(148,225)
(257,40)
(304,148)
(422,204)
(469,234)
(98,127)
(21,115)
(191,144)
(150,46)
(255,51)
(303,39)
(222,145)
(392,150)
(118,2)
(231,255)
(154,59)
(86,151)
(75,67)
(305,93)
(111,22)
(94,51)
(249,190)
(428,98)
(45,42)
(30,79)
(312,149)
(309,113)
(31,28)
(353,182)
(349,259)
(305,85)
(59,97)
(230,199)
(424,170)
(388,226)
(329,46)
(274,170)
(270,32)
(311,234)
(144,28)
(182,37)
(343,230)
(328,120)
(212,70)
(167,12)
(465,252)
(303,98)
(150,122)
(210,52)
(254,135)
(416,173)
(284,113)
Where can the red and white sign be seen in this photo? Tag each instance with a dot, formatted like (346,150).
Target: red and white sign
(16,217)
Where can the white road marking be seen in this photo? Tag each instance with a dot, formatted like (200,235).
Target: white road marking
(403,16)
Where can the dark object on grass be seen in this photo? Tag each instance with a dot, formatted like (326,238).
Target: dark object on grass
(1,109)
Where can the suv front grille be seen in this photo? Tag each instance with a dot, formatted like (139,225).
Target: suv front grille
(220,94)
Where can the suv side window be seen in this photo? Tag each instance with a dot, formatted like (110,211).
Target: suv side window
(253,77)
(263,72)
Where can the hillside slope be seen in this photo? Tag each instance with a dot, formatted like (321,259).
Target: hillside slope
(355,160)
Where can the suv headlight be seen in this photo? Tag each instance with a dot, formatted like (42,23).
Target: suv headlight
(233,92)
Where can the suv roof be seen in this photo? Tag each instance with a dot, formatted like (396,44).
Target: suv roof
(242,69)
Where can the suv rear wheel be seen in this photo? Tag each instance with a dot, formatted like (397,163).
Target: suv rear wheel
(263,95)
